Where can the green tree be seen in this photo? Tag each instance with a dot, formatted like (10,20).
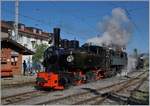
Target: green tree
(39,50)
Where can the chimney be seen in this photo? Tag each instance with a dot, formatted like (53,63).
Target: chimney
(39,31)
(56,36)
(21,26)
(34,30)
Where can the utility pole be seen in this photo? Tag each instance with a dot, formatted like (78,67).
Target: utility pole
(16,19)
(135,53)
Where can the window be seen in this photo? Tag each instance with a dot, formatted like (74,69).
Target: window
(22,27)
(122,55)
(40,32)
(113,53)
(33,43)
(14,60)
(3,60)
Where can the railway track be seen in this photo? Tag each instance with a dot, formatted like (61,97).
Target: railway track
(135,99)
(21,97)
(77,99)
(115,95)
(7,86)
(97,100)
(27,95)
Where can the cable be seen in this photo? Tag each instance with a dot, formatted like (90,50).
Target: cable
(129,16)
(77,18)
(29,17)
(37,20)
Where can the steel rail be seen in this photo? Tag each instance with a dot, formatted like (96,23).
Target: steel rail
(115,90)
(77,95)
(20,97)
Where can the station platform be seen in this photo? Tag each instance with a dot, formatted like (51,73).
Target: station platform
(17,80)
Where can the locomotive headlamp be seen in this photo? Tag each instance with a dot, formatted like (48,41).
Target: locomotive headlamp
(70,58)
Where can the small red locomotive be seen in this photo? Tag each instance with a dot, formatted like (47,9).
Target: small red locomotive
(70,64)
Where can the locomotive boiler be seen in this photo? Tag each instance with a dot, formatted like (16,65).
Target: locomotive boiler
(68,64)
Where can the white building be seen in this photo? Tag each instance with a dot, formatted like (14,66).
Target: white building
(27,36)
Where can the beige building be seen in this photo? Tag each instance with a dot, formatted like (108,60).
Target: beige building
(27,38)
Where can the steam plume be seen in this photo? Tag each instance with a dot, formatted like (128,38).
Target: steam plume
(131,66)
(116,29)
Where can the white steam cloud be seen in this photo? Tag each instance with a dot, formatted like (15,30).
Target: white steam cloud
(116,30)
(131,66)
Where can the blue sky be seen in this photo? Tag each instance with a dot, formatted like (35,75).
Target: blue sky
(80,19)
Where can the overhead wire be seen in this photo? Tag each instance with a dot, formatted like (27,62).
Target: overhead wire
(77,18)
(26,16)
(70,29)
(129,15)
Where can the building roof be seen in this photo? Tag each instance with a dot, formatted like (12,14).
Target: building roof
(9,43)
(27,30)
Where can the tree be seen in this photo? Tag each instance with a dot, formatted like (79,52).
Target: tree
(39,50)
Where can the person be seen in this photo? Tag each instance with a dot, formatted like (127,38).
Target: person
(29,67)
(24,67)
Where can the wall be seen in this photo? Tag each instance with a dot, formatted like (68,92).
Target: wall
(11,65)
(27,42)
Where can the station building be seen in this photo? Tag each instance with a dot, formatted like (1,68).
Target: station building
(15,50)
(11,57)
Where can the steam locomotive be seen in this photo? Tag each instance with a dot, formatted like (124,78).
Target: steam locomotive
(140,62)
(73,65)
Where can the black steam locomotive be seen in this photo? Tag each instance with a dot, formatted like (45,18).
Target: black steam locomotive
(140,62)
(68,64)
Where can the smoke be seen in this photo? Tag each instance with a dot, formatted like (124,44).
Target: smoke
(116,30)
(131,66)
(132,62)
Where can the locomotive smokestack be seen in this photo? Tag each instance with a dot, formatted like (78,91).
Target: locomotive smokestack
(56,36)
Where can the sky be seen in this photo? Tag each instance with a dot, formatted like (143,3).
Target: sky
(79,19)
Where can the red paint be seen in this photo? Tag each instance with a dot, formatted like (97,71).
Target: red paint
(52,80)
(81,75)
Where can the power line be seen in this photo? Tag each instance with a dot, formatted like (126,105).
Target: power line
(82,20)
(129,16)
(131,10)
(29,17)
(77,18)
(37,20)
